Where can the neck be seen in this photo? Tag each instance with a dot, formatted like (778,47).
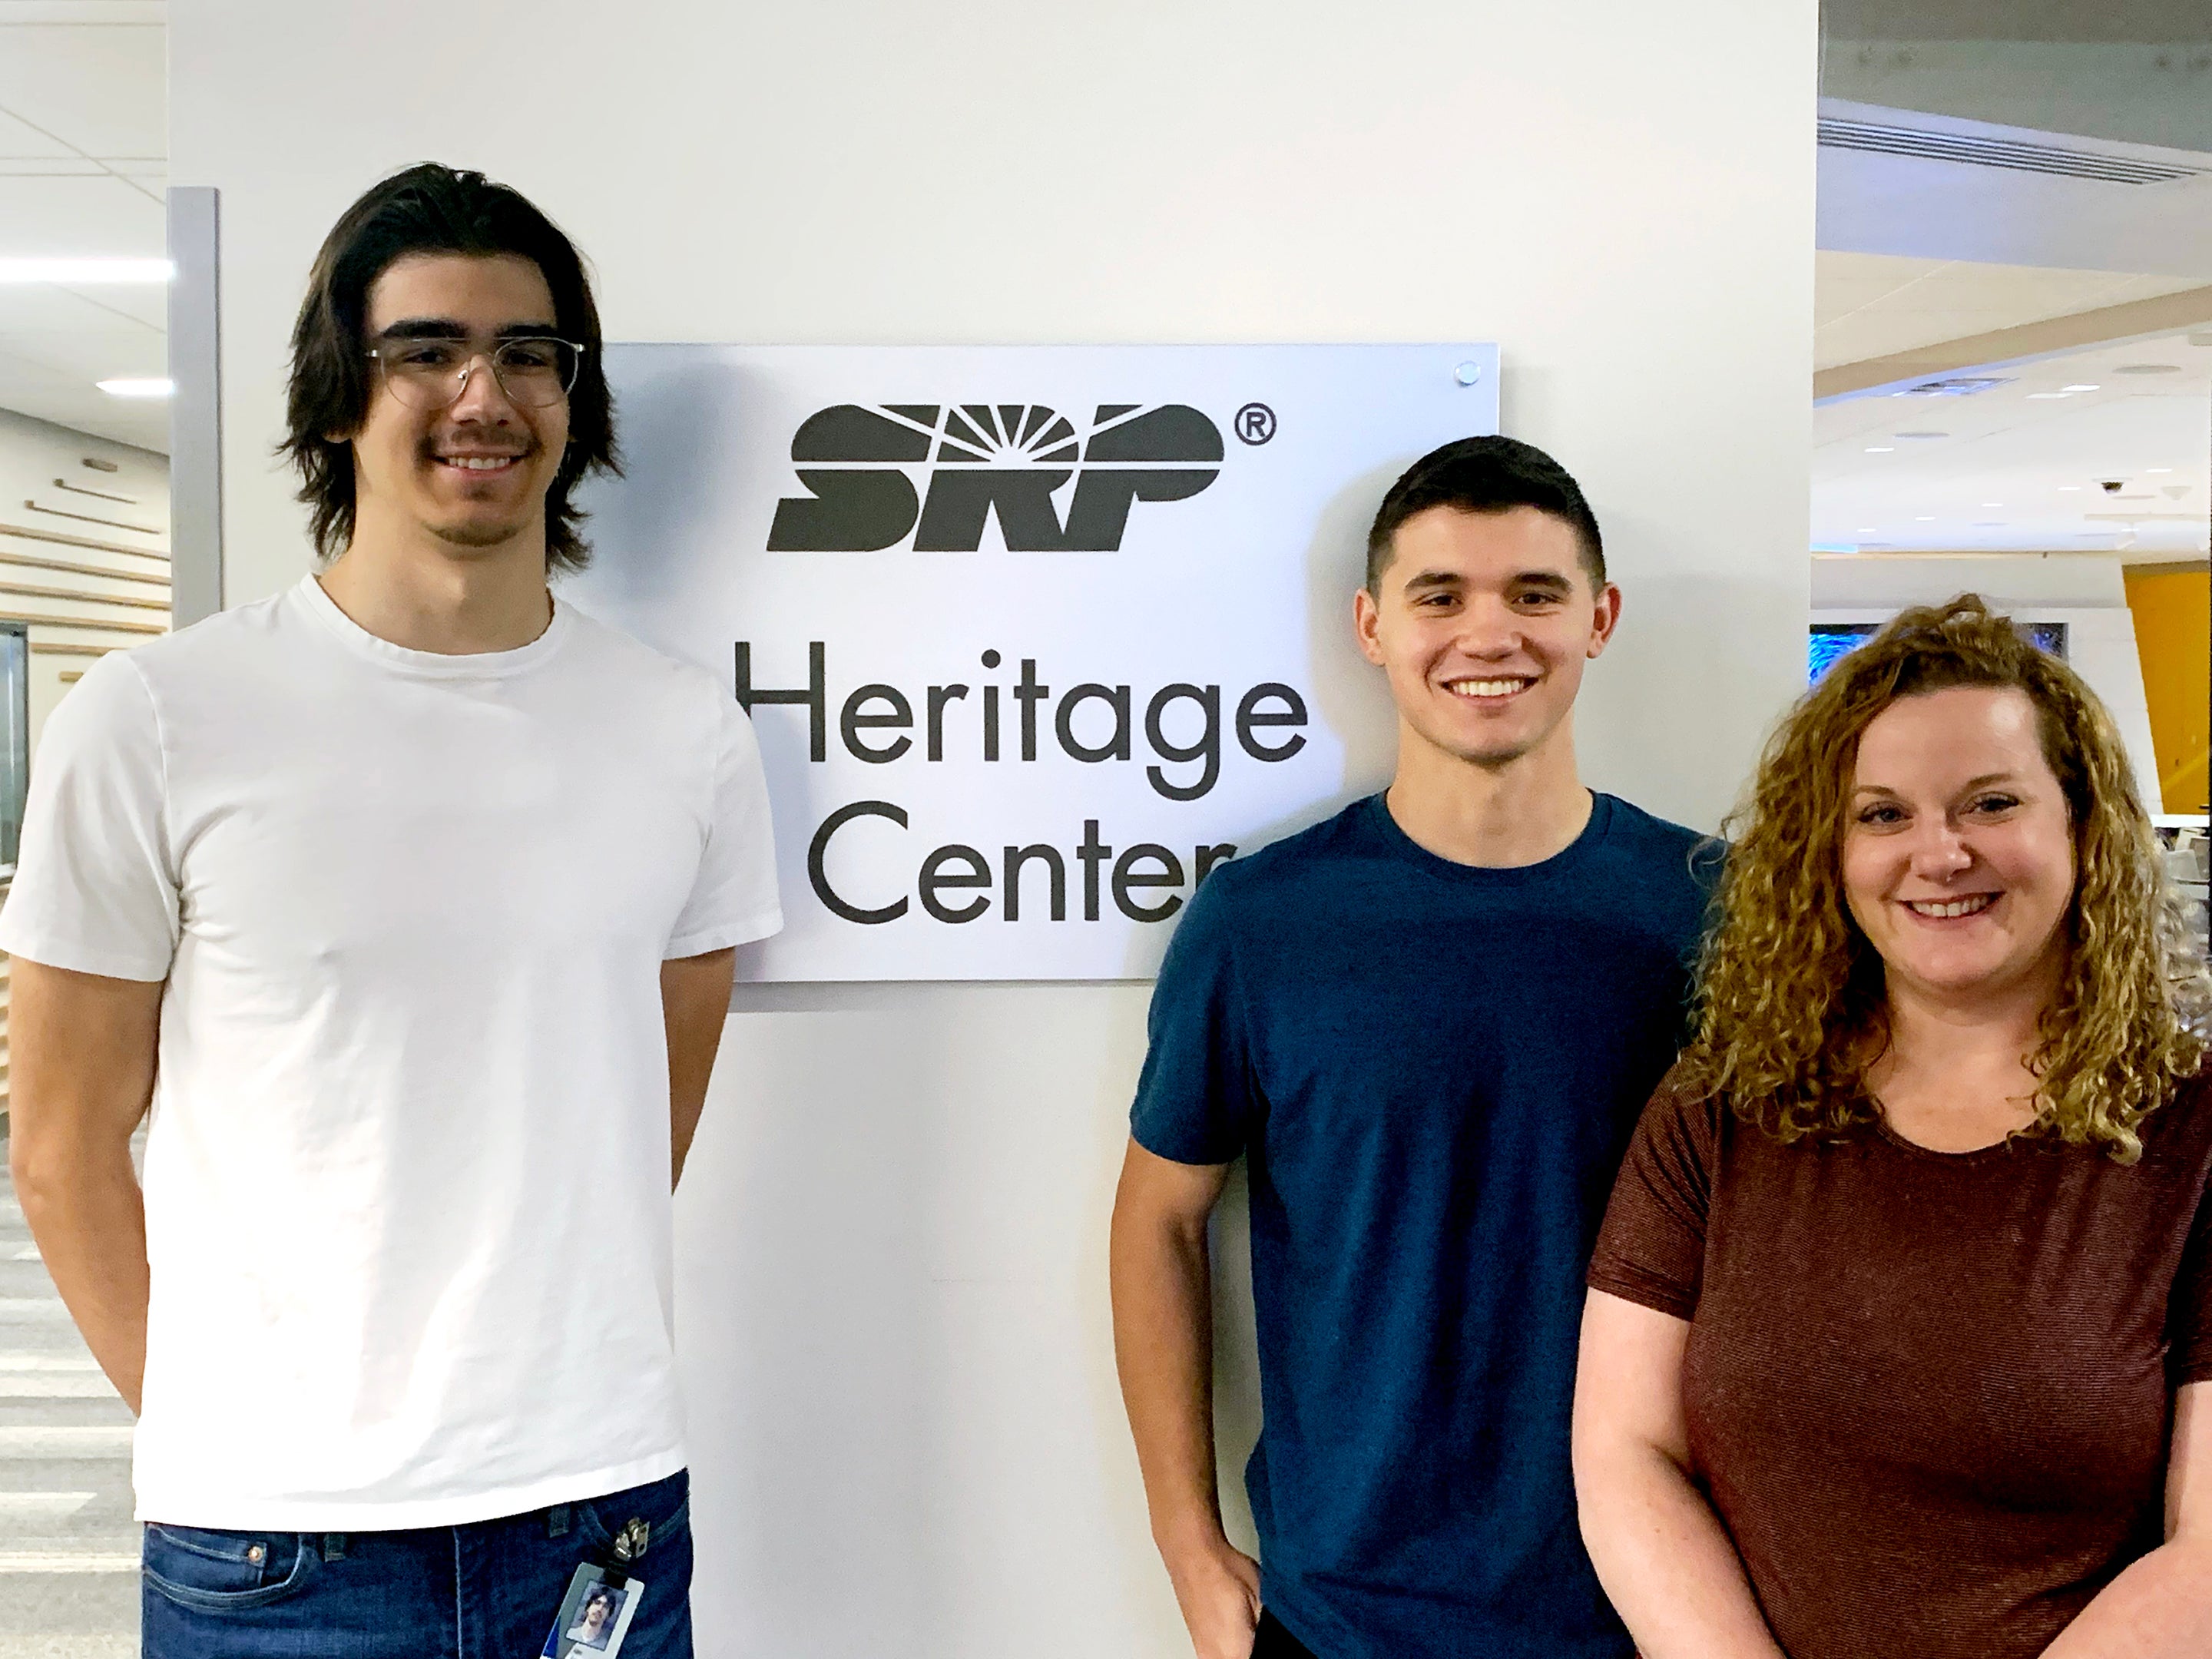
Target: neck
(408,587)
(1991,1030)
(1519,812)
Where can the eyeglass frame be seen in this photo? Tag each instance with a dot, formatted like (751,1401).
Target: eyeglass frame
(491,355)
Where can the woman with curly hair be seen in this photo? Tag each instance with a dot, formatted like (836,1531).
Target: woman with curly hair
(1900,1341)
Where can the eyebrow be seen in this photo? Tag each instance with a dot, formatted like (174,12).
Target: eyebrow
(1429,579)
(1968,787)
(445,328)
(1550,580)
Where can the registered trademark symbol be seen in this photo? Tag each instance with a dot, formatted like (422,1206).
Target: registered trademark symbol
(1255,423)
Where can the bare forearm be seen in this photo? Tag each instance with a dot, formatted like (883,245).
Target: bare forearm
(695,1002)
(85,1210)
(1163,1347)
(2158,1608)
(1665,1559)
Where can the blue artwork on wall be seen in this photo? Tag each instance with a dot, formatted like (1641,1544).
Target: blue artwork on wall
(1829,641)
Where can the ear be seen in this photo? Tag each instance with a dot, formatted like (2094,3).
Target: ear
(1604,616)
(1366,619)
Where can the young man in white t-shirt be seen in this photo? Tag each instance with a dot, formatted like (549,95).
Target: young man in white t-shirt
(406,899)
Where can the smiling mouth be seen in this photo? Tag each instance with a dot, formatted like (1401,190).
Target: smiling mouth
(1504,686)
(1972,905)
(479,464)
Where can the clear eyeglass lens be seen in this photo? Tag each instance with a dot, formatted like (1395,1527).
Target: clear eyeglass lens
(427,374)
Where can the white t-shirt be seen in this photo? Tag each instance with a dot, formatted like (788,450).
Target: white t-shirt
(406,1179)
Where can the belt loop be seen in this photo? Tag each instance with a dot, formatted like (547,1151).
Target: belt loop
(334,1547)
(556,1521)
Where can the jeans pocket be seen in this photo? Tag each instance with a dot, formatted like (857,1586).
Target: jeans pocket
(225,1571)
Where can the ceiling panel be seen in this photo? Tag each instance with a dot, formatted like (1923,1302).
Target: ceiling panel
(2016,469)
(102,88)
(1875,304)
(83,99)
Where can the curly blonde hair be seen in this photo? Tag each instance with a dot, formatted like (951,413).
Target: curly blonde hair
(1791,1007)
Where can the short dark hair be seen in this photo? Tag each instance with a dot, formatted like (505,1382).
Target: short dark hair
(1485,475)
(429,208)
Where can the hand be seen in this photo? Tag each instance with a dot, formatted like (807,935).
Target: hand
(1217,1587)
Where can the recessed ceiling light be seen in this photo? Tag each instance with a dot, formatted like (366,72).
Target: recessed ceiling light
(1881,449)
(75,273)
(2033,396)
(128,388)
(2081,388)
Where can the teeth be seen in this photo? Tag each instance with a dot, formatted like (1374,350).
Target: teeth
(1486,687)
(476,463)
(1951,909)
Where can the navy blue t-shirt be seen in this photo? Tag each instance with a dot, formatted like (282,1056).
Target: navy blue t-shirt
(1434,1069)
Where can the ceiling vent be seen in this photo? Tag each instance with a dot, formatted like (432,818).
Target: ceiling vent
(1953,386)
(2055,159)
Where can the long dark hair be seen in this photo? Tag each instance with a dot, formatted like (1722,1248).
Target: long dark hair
(429,208)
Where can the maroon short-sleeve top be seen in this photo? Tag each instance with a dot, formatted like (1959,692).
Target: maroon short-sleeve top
(1928,1394)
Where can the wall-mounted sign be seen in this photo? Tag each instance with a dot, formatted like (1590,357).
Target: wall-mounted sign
(1034,637)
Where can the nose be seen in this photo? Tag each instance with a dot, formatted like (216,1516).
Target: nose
(1489,629)
(483,398)
(1939,850)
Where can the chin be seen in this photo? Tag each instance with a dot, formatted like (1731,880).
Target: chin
(478,535)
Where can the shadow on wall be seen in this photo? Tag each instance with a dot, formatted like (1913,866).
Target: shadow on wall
(678,429)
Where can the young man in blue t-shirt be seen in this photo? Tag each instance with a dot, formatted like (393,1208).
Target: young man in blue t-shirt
(1428,1023)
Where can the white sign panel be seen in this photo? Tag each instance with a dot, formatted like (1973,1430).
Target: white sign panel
(1033,637)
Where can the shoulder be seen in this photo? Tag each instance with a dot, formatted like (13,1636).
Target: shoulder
(623,661)
(1632,832)
(2180,1130)
(214,646)
(1320,851)
(1246,898)
(1684,1104)
(1665,863)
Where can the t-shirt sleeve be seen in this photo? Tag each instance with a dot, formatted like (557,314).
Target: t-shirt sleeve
(2190,1351)
(733,898)
(1651,1249)
(1196,1101)
(96,889)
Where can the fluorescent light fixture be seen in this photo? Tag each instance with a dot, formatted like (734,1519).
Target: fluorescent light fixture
(2032,395)
(1881,449)
(128,388)
(85,273)
(2081,388)
(1923,518)
(1866,529)
(2158,469)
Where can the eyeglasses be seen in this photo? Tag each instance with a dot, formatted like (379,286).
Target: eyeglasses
(533,372)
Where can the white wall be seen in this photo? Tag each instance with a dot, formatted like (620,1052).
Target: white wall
(2086,591)
(33,454)
(906,1436)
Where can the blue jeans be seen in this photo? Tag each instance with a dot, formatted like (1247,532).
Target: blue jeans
(488,1591)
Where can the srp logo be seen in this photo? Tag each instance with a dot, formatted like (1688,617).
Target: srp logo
(937,472)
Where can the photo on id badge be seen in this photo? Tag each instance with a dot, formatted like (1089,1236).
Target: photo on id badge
(594,1616)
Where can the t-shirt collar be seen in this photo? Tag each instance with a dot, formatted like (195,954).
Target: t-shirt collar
(1405,846)
(477,665)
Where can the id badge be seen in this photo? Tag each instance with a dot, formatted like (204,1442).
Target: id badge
(594,1615)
